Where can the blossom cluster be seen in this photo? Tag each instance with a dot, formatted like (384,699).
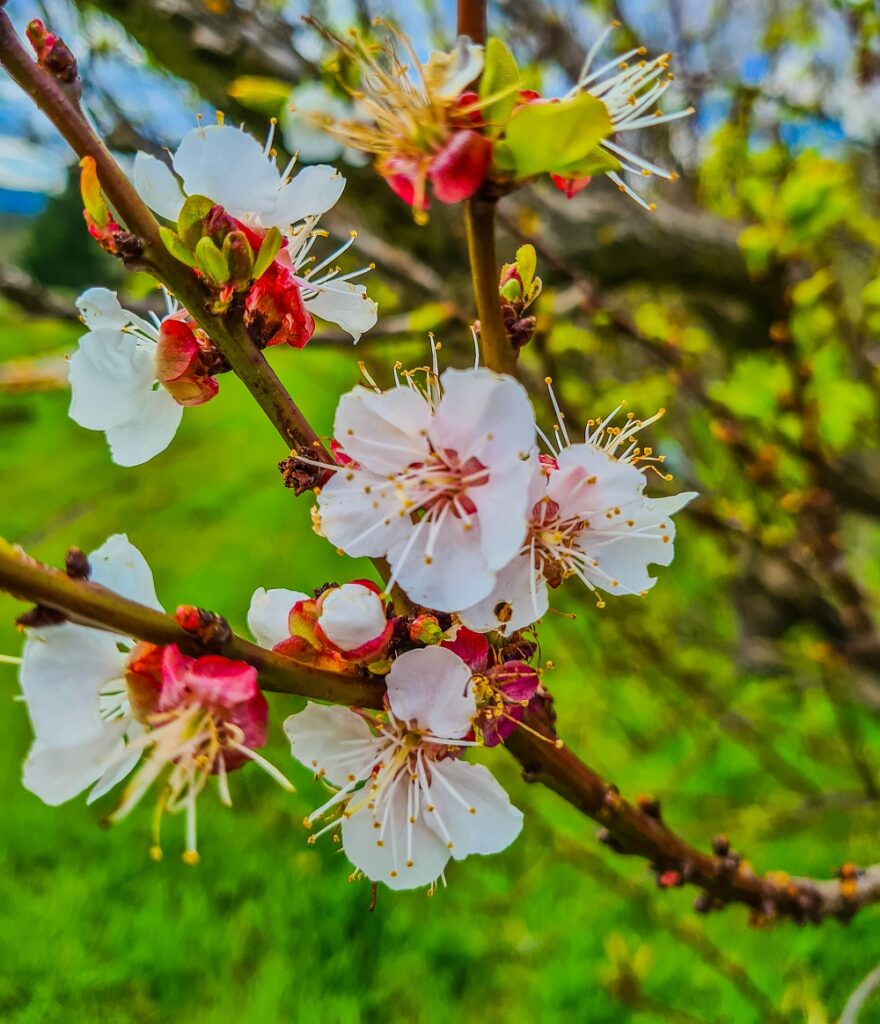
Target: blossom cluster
(445,479)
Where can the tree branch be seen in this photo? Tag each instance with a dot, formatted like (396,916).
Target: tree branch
(231,338)
(628,829)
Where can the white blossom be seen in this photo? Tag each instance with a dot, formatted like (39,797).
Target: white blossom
(73,682)
(409,801)
(589,518)
(438,484)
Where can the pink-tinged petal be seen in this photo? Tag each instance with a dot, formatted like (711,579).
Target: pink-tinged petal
(192,391)
(471,647)
(384,432)
(351,616)
(313,191)
(63,670)
(177,351)
(588,483)
(514,602)
(157,186)
(332,742)
(360,513)
(502,508)
(211,680)
(57,774)
(401,854)
(268,614)
(460,167)
(484,415)
(148,432)
(431,687)
(454,575)
(110,374)
(118,565)
(346,305)
(475,809)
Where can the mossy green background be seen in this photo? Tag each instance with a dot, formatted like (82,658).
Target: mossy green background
(267,928)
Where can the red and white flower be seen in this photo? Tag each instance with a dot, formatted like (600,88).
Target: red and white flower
(589,518)
(231,168)
(437,483)
(116,369)
(408,801)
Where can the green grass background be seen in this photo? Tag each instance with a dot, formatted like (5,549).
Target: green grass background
(267,929)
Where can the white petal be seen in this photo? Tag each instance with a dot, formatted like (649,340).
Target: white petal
(99,307)
(313,191)
(513,598)
(457,789)
(119,566)
(457,574)
(619,553)
(463,69)
(63,670)
(589,483)
(384,432)
(118,769)
(502,511)
(385,860)
(431,687)
(361,515)
(347,305)
(486,415)
(148,432)
(230,167)
(110,374)
(157,186)
(332,740)
(352,615)
(268,614)
(301,136)
(56,774)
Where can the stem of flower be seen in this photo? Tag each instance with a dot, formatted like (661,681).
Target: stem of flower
(629,829)
(246,360)
(479,222)
(471,19)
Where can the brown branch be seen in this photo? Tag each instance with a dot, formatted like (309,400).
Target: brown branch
(246,360)
(628,829)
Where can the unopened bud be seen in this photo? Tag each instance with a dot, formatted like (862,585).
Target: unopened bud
(76,565)
(52,53)
(240,258)
(425,629)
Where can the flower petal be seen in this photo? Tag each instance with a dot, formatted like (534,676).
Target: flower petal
(99,307)
(351,616)
(386,431)
(268,614)
(118,565)
(333,742)
(118,769)
(502,509)
(384,853)
(147,433)
(474,808)
(57,774)
(229,166)
(430,686)
(313,191)
(360,513)
(513,603)
(63,670)
(347,305)
(111,374)
(485,415)
(157,186)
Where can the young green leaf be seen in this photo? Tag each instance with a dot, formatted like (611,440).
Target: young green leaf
(192,214)
(175,246)
(268,251)
(499,85)
(212,262)
(550,137)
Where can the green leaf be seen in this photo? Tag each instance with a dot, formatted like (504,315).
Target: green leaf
(526,265)
(551,137)
(212,262)
(260,93)
(597,161)
(192,215)
(268,251)
(499,85)
(176,247)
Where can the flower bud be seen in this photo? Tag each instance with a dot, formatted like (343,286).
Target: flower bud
(240,259)
(352,619)
(425,629)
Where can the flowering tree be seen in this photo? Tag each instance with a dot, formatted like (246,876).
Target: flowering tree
(473,514)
